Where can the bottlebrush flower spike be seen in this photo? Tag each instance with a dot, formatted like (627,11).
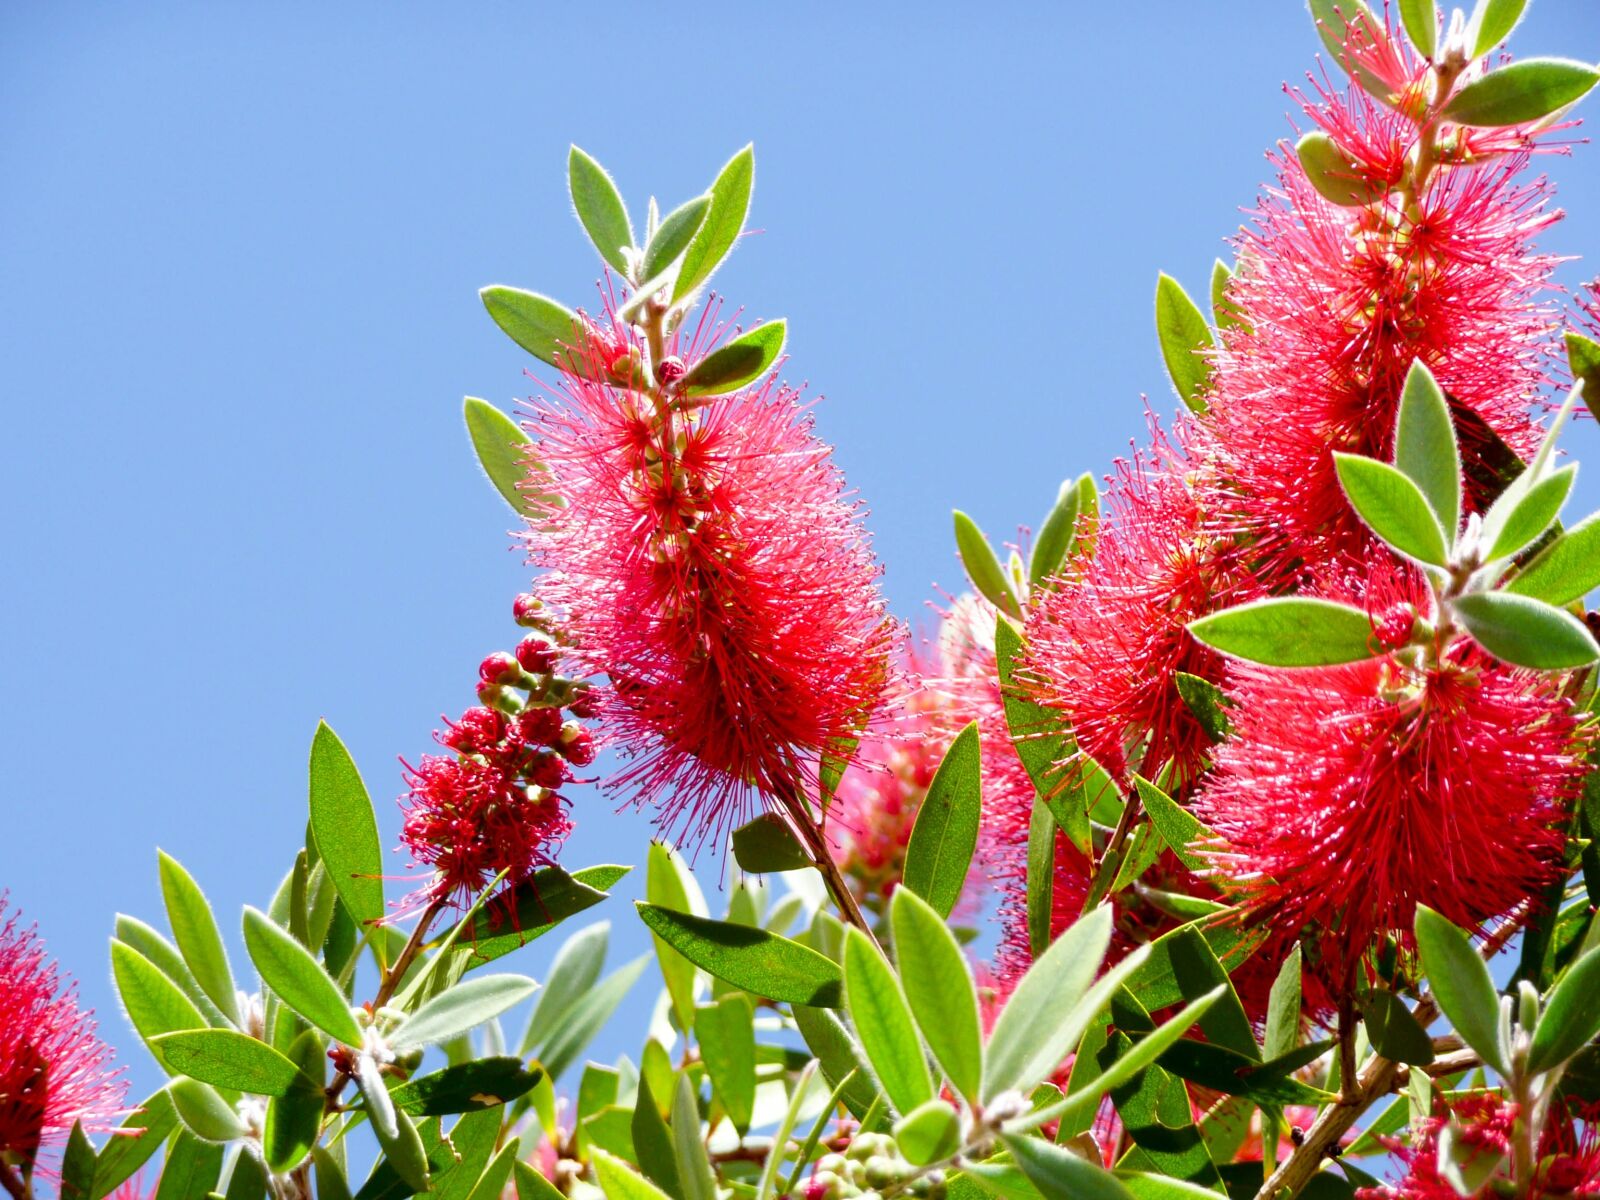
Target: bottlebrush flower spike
(710,563)
(1106,642)
(1347,795)
(54,1070)
(1335,303)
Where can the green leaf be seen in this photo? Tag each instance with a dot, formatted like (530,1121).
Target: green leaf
(1491,24)
(1156,984)
(403,1149)
(768,844)
(727,1036)
(533,1186)
(769,1173)
(154,1004)
(928,1134)
(939,852)
(1534,511)
(1041,877)
(1178,828)
(298,979)
(1289,631)
(1422,25)
(1056,536)
(1223,310)
(461,1009)
(1348,30)
(673,235)
(228,1059)
(1184,336)
(204,1113)
(1223,1070)
(77,1166)
(840,1058)
(563,1046)
(467,1087)
(191,1168)
(730,201)
(743,360)
(1041,743)
(1208,702)
(761,963)
(1393,507)
(1337,178)
(1393,1031)
(1583,358)
(883,1022)
(342,821)
(618,1181)
(666,886)
(695,1166)
(1040,1023)
(1526,632)
(504,453)
(164,955)
(1525,90)
(195,930)
(1425,448)
(532,909)
(652,1143)
(1571,1018)
(572,973)
(547,330)
(938,987)
(139,1136)
(1059,1174)
(600,209)
(1282,1033)
(1155,1110)
(294,1120)
(1198,971)
(1461,985)
(982,567)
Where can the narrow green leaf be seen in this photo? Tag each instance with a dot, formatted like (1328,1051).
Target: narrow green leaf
(938,986)
(1571,1018)
(600,208)
(403,1149)
(190,1170)
(1583,358)
(1043,744)
(1525,90)
(154,1004)
(928,1134)
(1231,1073)
(492,1183)
(1425,448)
(1491,24)
(1283,1008)
(1041,877)
(1393,507)
(1422,25)
(504,453)
(139,1136)
(673,235)
(743,360)
(1349,31)
(761,963)
(462,1009)
(1289,631)
(1533,513)
(618,1181)
(150,943)
(652,1143)
(1393,1031)
(547,330)
(730,201)
(1208,702)
(939,852)
(883,1022)
(228,1059)
(204,1113)
(77,1166)
(294,1120)
(195,930)
(840,1058)
(1185,337)
(1040,1023)
(344,825)
(298,979)
(1461,985)
(572,973)
(1059,1174)
(1054,544)
(727,1036)
(467,1087)
(769,1172)
(533,1186)
(1156,1112)
(768,844)
(1223,310)
(561,1048)
(665,887)
(695,1166)
(1526,632)
(1178,827)
(1199,972)
(519,915)
(1337,178)
(982,567)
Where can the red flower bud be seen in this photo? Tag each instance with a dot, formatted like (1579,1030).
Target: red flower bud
(499,667)
(671,369)
(576,744)
(526,608)
(545,770)
(585,703)
(476,731)
(537,654)
(540,726)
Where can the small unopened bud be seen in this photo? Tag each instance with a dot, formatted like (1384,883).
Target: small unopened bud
(671,369)
(584,703)
(537,654)
(1527,1005)
(499,667)
(526,609)
(576,744)
(627,368)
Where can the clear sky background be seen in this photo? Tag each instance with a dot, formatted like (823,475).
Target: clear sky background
(239,254)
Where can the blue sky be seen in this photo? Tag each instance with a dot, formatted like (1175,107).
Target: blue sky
(241,247)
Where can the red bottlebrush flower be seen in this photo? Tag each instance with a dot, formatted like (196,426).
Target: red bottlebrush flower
(492,807)
(1336,303)
(1069,888)
(1347,795)
(54,1070)
(1105,643)
(707,560)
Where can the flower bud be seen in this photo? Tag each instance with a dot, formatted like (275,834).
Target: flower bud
(537,654)
(476,731)
(546,770)
(540,726)
(576,744)
(525,609)
(671,369)
(585,703)
(499,667)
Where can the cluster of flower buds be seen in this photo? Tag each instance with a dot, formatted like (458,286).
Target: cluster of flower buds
(495,804)
(871,1166)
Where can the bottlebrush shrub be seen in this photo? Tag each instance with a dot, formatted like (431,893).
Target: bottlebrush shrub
(1262,765)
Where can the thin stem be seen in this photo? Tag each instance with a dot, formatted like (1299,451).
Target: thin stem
(816,847)
(14,1184)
